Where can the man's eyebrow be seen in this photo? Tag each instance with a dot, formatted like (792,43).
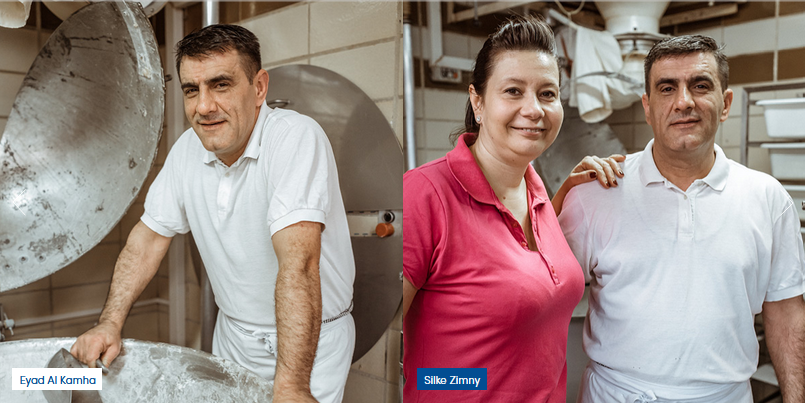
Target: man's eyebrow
(703,77)
(210,81)
(218,79)
(695,79)
(671,81)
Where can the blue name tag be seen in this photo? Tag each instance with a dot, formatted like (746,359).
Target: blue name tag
(451,378)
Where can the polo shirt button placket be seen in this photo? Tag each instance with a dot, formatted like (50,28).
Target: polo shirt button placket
(515,233)
(224,189)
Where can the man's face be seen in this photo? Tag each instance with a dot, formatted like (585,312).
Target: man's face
(220,103)
(686,103)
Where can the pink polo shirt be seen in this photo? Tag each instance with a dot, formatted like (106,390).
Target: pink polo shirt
(485,300)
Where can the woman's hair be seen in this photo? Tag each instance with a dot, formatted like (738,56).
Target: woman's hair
(518,33)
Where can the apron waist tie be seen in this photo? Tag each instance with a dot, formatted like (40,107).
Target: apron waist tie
(268,334)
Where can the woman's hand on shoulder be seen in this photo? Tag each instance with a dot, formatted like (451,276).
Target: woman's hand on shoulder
(605,170)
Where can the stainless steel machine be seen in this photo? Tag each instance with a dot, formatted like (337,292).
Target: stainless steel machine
(79,141)
(370,168)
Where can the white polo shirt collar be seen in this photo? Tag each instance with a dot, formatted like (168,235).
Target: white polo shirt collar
(255,139)
(716,178)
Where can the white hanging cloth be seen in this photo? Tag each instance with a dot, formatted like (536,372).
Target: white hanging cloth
(594,92)
(14,14)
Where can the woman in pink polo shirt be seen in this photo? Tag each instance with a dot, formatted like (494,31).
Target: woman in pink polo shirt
(489,280)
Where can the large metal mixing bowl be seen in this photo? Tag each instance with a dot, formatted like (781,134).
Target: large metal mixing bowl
(145,372)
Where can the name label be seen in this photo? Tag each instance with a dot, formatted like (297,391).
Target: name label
(451,378)
(56,379)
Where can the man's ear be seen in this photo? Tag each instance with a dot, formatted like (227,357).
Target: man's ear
(728,97)
(646,107)
(261,86)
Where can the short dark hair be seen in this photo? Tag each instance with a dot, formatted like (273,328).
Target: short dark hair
(221,38)
(685,45)
(517,33)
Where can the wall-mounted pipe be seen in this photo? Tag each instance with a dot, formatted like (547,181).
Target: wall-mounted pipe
(209,310)
(81,314)
(408,95)
(174,121)
(210,13)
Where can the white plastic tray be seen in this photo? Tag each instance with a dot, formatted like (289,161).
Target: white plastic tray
(787,160)
(784,117)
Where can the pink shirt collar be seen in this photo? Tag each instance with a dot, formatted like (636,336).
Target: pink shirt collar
(467,172)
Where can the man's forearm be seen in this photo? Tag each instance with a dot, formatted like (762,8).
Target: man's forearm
(135,267)
(298,308)
(297,299)
(784,323)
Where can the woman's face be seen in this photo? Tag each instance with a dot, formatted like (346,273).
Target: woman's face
(520,110)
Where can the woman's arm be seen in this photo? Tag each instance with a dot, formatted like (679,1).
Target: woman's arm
(606,170)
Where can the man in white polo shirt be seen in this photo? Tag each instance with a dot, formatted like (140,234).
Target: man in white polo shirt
(258,188)
(685,252)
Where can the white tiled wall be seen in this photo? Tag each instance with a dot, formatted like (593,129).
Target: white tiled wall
(9,85)
(336,25)
(288,32)
(792,31)
(438,113)
(19,48)
(453,44)
(375,75)
(743,39)
(716,33)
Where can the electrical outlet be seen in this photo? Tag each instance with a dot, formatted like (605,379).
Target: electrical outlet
(445,75)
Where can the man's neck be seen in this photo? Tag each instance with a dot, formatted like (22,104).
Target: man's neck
(682,169)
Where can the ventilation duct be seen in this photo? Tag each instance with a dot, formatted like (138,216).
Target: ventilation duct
(636,25)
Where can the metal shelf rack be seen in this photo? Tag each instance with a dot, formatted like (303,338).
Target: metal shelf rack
(747,91)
